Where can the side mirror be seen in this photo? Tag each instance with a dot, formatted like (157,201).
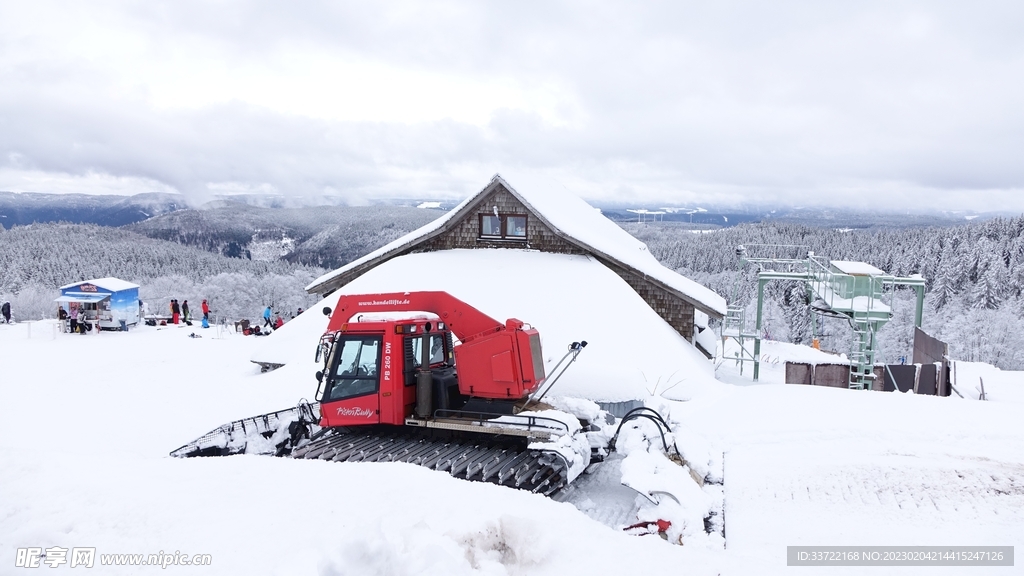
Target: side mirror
(319,376)
(327,310)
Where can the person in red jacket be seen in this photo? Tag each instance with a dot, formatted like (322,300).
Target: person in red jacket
(278,322)
(206,311)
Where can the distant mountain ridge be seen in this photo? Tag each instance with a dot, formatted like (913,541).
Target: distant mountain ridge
(22,208)
(254,227)
(322,232)
(815,216)
(324,236)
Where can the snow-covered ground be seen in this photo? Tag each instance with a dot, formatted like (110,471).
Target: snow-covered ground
(87,422)
(774,356)
(976,379)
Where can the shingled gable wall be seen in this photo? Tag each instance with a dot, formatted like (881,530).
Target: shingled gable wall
(465,233)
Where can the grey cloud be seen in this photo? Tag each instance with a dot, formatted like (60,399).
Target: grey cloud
(794,102)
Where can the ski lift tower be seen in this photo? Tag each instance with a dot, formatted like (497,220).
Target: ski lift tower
(856,291)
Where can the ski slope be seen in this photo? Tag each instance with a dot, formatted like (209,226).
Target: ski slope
(86,423)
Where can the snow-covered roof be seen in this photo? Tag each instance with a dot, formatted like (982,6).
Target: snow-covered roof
(109,284)
(631,350)
(569,217)
(856,268)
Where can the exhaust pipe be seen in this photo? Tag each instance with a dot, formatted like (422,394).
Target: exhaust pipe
(424,379)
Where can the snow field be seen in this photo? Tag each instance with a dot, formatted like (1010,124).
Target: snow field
(999,385)
(88,421)
(807,465)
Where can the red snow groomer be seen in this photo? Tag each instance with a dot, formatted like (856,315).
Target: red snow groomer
(396,387)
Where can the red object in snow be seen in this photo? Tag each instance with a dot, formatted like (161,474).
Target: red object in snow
(495,361)
(645,528)
(385,363)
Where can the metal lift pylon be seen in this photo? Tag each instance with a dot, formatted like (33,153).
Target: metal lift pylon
(855,291)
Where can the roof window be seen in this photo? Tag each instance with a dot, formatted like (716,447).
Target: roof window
(503,227)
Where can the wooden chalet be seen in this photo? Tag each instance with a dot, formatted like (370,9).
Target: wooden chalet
(543,216)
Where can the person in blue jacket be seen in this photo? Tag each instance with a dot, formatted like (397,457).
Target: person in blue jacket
(266,317)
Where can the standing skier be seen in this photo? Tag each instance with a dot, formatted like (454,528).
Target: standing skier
(6,311)
(266,318)
(206,310)
(184,311)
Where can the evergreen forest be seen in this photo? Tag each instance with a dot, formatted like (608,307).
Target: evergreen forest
(243,258)
(974,276)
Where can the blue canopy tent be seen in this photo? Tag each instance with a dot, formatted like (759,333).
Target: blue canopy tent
(103,301)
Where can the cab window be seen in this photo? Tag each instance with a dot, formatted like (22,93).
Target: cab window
(356,368)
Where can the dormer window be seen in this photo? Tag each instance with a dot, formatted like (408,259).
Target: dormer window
(503,227)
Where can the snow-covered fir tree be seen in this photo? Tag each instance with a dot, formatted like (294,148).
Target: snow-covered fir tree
(974,279)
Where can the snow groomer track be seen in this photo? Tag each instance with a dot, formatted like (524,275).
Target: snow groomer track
(508,462)
(504,459)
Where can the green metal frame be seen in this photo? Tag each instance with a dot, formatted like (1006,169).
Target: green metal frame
(839,293)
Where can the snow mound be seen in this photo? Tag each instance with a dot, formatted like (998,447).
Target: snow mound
(998,385)
(579,407)
(508,545)
(632,352)
(671,495)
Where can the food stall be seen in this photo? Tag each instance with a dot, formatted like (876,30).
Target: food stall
(103,303)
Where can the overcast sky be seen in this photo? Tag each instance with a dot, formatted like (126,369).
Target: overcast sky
(888,104)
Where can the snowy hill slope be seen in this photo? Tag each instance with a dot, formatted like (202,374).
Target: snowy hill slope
(808,465)
(35,260)
(973,379)
(327,236)
(84,442)
(106,480)
(52,255)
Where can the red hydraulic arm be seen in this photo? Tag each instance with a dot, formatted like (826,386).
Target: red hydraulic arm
(494,360)
(464,321)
